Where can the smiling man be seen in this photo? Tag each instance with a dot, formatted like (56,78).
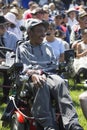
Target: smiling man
(40,65)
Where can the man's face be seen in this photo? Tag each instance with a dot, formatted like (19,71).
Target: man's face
(37,34)
(83,22)
(2,29)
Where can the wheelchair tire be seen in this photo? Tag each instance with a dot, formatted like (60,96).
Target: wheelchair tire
(15,125)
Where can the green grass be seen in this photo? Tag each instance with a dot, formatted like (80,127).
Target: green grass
(75,91)
(75,97)
(2,107)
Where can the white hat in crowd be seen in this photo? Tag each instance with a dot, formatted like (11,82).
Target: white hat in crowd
(71,10)
(11,17)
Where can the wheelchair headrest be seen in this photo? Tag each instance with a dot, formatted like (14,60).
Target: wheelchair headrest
(69,54)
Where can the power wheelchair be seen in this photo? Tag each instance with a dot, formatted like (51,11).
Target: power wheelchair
(68,69)
(17,113)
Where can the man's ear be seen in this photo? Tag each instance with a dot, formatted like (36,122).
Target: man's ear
(30,33)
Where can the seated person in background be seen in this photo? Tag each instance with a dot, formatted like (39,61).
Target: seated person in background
(65,24)
(76,29)
(12,26)
(58,22)
(82,46)
(80,63)
(72,17)
(46,13)
(38,57)
(56,43)
(10,41)
(32,5)
(52,10)
(73,4)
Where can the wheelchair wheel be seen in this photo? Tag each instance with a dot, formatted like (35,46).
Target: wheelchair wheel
(15,125)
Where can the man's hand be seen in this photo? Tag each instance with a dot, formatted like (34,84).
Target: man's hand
(38,80)
(31,71)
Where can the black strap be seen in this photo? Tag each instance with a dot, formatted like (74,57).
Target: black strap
(2,53)
(2,41)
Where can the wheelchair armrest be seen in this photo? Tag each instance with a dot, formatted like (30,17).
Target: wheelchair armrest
(16,67)
(6,49)
(3,51)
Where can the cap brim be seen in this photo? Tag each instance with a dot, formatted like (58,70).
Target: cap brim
(31,23)
(44,23)
(4,23)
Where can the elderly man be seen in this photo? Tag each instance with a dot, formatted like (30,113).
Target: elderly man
(40,63)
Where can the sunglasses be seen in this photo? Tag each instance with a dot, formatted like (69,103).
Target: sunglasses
(58,17)
(40,13)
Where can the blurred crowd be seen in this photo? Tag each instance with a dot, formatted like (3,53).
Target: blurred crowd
(17,12)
